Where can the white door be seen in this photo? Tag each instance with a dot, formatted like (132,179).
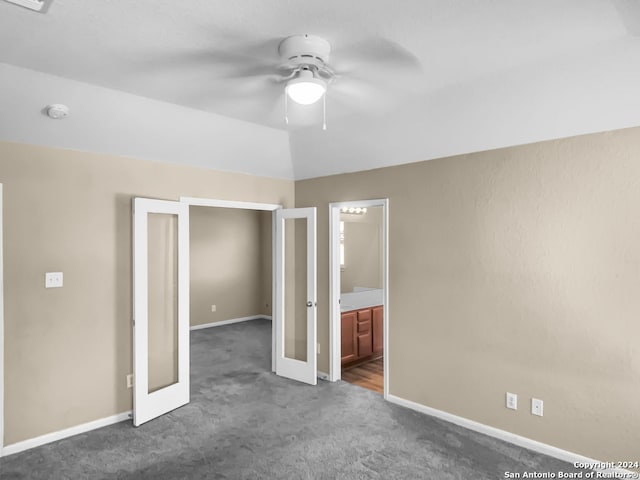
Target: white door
(160,307)
(295,294)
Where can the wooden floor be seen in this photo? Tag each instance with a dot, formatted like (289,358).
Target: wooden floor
(368,375)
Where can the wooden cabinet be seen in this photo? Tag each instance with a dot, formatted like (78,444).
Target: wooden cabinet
(349,337)
(362,334)
(377,327)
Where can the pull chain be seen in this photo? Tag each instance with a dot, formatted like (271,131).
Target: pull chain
(286,109)
(324,111)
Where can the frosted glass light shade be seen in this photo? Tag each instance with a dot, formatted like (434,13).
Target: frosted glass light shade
(306,90)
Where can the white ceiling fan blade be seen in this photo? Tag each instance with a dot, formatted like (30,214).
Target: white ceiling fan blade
(357,95)
(251,99)
(629,11)
(206,60)
(375,53)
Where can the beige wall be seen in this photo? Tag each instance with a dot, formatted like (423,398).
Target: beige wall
(363,250)
(512,270)
(68,350)
(266,256)
(227,247)
(515,269)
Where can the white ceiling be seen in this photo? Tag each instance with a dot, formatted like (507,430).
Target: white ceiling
(153,79)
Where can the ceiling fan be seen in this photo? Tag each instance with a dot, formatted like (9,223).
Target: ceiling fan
(308,75)
(370,76)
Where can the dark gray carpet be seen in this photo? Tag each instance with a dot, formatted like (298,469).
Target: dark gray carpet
(244,422)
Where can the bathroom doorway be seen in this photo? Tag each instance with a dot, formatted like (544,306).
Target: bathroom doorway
(359,293)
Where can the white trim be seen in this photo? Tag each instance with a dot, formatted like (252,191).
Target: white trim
(210,202)
(146,405)
(1,329)
(274,289)
(323,375)
(334,284)
(509,437)
(301,371)
(67,432)
(229,322)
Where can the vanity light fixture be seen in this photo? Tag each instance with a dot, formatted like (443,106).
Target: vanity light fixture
(354,210)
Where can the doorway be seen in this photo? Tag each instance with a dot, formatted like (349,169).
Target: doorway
(359,316)
(172,293)
(293,285)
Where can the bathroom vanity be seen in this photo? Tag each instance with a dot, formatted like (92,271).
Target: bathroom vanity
(362,326)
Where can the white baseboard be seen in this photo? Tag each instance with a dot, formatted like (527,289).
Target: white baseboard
(512,438)
(229,322)
(59,435)
(323,376)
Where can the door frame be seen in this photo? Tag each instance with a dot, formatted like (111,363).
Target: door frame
(335,367)
(1,325)
(270,207)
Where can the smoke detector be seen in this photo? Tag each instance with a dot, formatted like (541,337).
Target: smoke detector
(35,5)
(57,111)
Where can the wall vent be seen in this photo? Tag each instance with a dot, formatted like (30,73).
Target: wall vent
(36,5)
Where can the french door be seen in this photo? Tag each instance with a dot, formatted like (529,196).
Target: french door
(161,302)
(161,307)
(295,299)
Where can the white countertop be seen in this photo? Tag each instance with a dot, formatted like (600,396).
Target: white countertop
(362,298)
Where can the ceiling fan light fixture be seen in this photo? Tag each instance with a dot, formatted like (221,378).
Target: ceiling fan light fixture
(306,89)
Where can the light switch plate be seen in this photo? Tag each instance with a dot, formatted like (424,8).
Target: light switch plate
(53,280)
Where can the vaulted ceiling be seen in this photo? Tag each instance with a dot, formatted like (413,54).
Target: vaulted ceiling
(191,82)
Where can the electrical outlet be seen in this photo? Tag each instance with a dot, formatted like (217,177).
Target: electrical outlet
(537,407)
(130,380)
(512,401)
(53,280)
(213,308)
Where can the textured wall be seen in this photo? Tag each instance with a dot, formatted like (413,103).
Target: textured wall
(226,247)
(68,350)
(512,270)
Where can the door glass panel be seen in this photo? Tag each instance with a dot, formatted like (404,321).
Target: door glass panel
(295,279)
(163,300)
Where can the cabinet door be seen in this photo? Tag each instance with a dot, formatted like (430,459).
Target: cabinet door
(364,345)
(348,334)
(377,327)
(365,341)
